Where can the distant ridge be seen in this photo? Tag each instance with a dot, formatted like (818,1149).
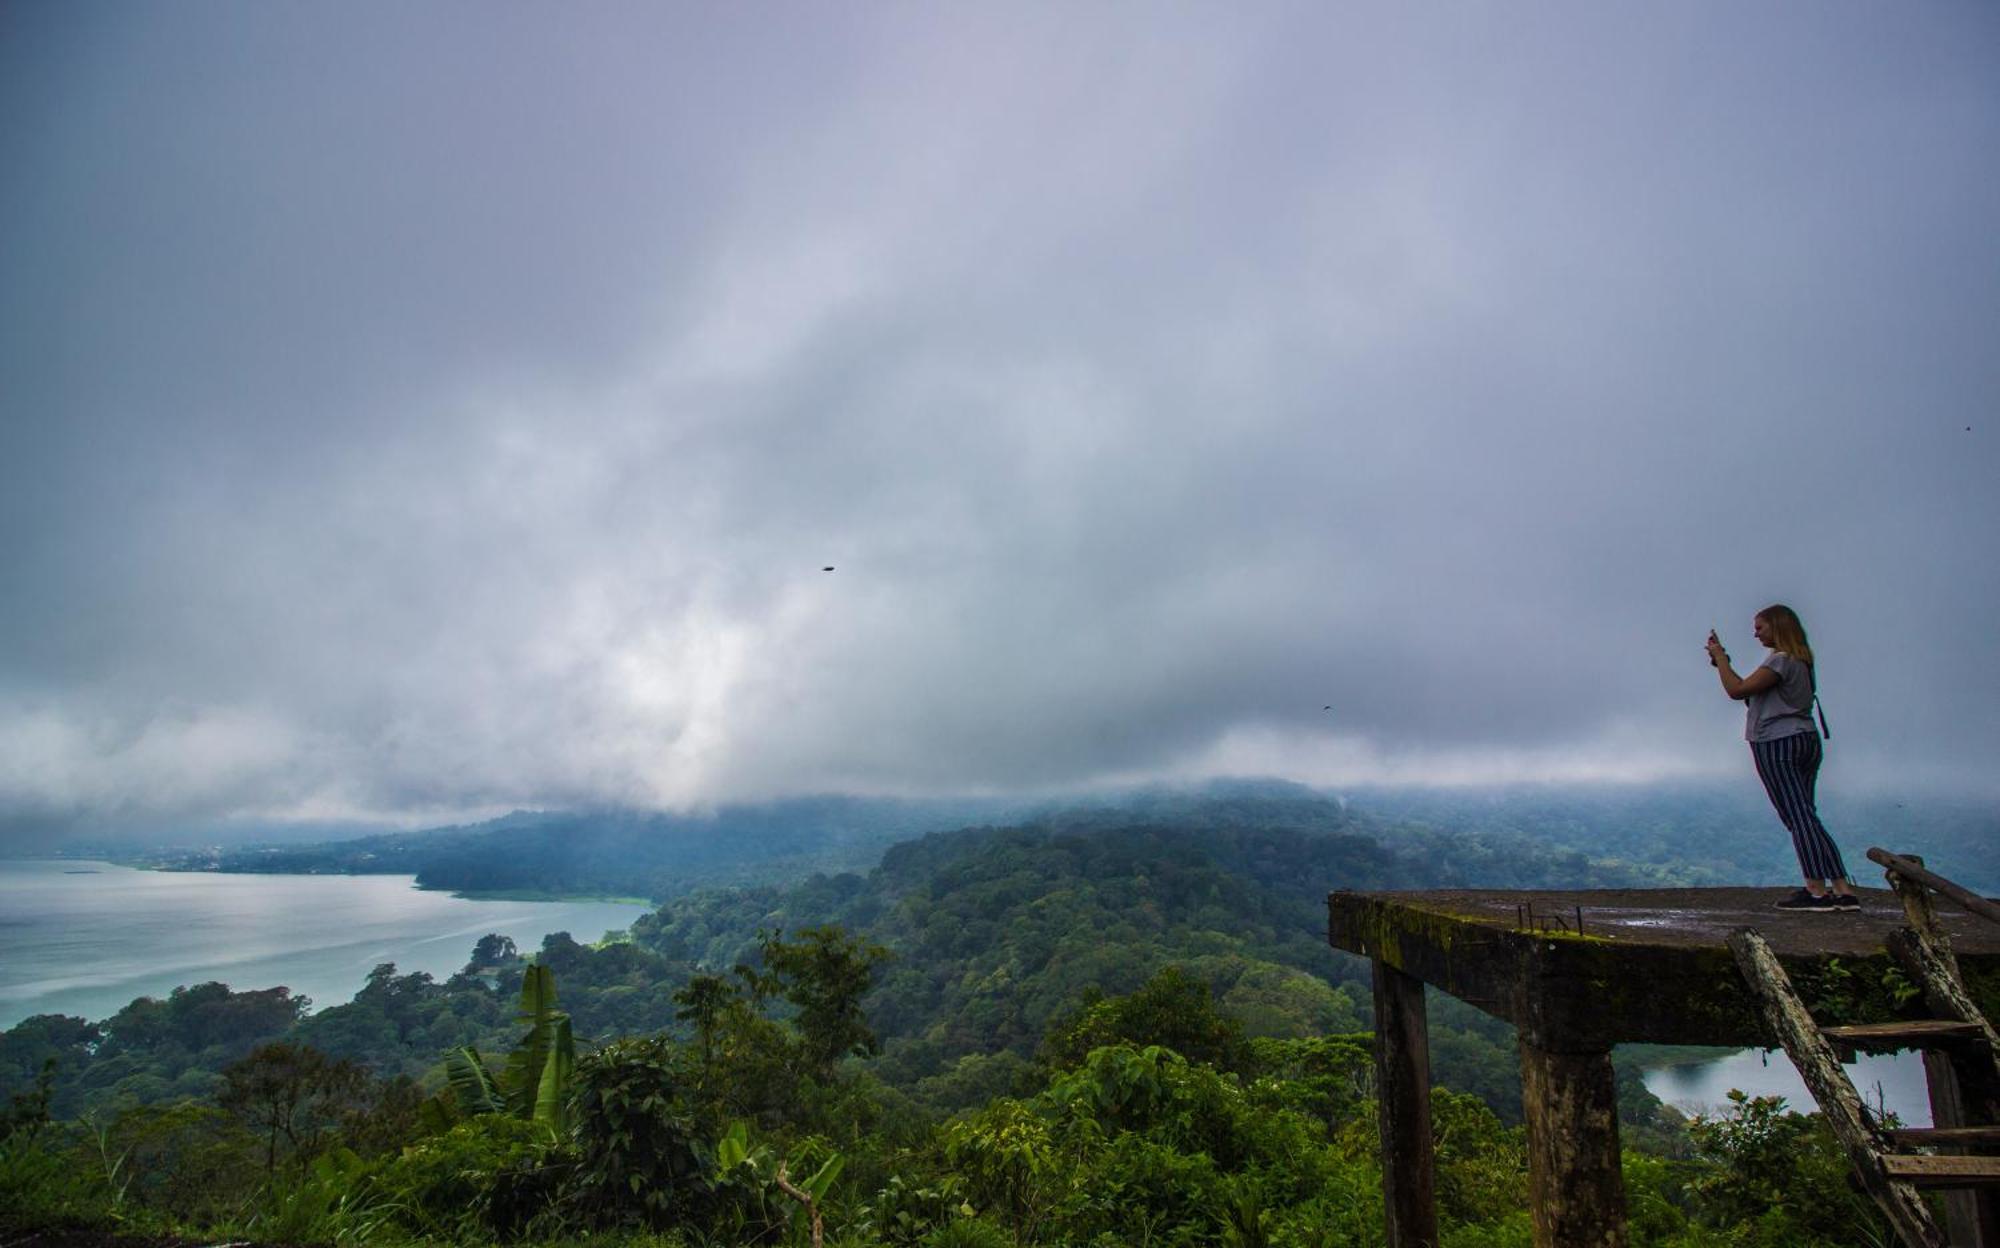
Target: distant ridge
(620,853)
(1689,836)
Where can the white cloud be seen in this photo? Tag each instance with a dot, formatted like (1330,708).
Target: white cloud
(1149,383)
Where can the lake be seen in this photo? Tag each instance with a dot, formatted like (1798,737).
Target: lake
(85,938)
(1894,1080)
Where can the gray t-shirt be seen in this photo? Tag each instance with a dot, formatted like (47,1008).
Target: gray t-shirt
(1785,709)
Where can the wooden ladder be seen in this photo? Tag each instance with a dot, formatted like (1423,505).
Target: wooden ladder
(1961,1061)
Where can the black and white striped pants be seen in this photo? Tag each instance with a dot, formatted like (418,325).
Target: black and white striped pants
(1789,768)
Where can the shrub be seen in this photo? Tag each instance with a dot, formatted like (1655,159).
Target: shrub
(46,1180)
(190,1161)
(488,1176)
(639,1148)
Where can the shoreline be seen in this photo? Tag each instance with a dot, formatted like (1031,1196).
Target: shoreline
(465,894)
(528,894)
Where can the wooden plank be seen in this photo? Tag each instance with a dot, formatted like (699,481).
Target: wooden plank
(1576,1192)
(1919,1170)
(1944,1137)
(1898,864)
(1403,1110)
(1910,1034)
(1788,1020)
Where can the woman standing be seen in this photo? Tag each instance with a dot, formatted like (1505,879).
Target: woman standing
(1784,743)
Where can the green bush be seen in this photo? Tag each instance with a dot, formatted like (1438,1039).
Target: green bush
(1482,1164)
(639,1146)
(490,1176)
(1172,1010)
(907,1211)
(48,1179)
(1776,1177)
(968,1233)
(192,1162)
(334,1200)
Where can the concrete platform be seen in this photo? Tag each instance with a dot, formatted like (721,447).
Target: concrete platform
(1579,972)
(1586,969)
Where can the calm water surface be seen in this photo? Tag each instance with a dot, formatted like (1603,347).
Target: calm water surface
(1893,1080)
(86,938)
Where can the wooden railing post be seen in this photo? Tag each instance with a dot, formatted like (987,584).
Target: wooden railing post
(1912,868)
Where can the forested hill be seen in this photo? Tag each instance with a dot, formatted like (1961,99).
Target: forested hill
(1097,1020)
(621,853)
(1036,1034)
(1687,836)
(995,933)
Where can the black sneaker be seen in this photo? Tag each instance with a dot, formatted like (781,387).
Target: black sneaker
(1845,901)
(1803,900)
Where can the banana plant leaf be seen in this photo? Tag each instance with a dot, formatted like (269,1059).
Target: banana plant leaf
(472,1087)
(552,1095)
(530,1058)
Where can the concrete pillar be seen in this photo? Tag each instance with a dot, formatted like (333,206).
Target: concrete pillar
(1575,1189)
(1403,1099)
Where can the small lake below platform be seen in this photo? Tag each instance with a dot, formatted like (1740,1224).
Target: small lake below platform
(1894,1081)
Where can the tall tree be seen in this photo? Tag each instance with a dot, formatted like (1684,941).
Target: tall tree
(825,973)
(702,1002)
(291,1091)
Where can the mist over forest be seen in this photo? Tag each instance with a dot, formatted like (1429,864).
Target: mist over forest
(1708,834)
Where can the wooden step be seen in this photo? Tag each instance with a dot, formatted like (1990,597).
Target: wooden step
(1786,1017)
(1916,1033)
(1944,1137)
(1922,1171)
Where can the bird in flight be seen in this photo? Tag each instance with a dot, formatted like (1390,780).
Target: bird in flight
(827,568)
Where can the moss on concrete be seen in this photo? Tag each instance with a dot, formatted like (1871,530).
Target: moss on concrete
(1588,987)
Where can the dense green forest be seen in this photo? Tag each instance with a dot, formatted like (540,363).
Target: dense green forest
(1109,1024)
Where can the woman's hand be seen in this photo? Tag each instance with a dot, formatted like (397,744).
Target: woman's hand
(1738,687)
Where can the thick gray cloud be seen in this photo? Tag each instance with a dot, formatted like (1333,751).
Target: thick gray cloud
(414,412)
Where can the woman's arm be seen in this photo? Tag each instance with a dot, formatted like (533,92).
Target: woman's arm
(1738,687)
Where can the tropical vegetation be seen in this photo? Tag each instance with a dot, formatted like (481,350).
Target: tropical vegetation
(1117,1025)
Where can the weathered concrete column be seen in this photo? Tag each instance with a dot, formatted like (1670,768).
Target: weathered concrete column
(1403,1101)
(1575,1189)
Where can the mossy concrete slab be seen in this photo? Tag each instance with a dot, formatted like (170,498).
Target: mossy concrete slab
(1647,965)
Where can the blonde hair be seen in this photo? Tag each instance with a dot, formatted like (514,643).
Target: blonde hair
(1788,636)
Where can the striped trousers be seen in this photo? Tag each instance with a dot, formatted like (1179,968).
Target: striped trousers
(1789,768)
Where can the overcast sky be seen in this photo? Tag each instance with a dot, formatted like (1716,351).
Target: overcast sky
(415,411)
